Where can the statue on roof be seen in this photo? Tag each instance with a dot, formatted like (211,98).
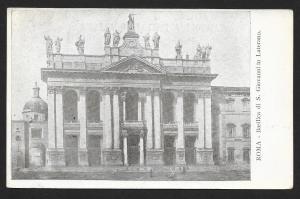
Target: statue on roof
(155,40)
(116,38)
(49,44)
(203,52)
(80,45)
(107,37)
(58,44)
(178,48)
(146,40)
(130,22)
(207,51)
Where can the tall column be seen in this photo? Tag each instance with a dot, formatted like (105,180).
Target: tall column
(157,127)
(204,152)
(83,156)
(139,108)
(180,150)
(142,148)
(107,136)
(208,138)
(59,119)
(116,120)
(51,118)
(148,117)
(125,155)
(200,119)
(55,156)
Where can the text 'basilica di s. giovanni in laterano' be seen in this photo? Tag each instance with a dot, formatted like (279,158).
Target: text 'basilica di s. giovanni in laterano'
(130,106)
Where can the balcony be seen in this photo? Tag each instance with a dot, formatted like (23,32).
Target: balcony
(73,125)
(133,124)
(95,125)
(191,126)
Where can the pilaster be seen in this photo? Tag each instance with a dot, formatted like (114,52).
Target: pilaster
(82,151)
(157,125)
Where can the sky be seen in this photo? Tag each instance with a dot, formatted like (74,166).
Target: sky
(228,32)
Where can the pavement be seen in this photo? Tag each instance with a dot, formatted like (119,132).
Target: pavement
(165,173)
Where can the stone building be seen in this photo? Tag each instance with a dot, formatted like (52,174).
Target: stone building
(129,106)
(231,124)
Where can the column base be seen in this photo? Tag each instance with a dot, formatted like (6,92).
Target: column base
(154,157)
(112,157)
(180,157)
(204,156)
(83,157)
(55,157)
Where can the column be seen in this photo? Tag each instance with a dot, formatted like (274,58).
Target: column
(200,119)
(142,148)
(54,156)
(107,136)
(148,118)
(157,128)
(116,120)
(124,135)
(59,119)
(51,118)
(101,106)
(179,119)
(83,157)
(208,141)
(180,151)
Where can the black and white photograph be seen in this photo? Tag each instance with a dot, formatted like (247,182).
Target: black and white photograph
(130,95)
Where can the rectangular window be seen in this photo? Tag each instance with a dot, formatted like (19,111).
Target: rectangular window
(246,155)
(230,154)
(36,133)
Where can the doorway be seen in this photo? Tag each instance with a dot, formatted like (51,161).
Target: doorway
(71,150)
(94,150)
(169,150)
(133,149)
(190,150)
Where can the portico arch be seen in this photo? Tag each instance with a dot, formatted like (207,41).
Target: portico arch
(70,100)
(189,101)
(93,106)
(168,101)
(132,98)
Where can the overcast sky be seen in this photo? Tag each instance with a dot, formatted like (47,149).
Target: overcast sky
(228,32)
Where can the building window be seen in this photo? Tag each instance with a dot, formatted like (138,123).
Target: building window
(246,130)
(246,155)
(36,117)
(229,104)
(246,104)
(230,130)
(36,133)
(230,152)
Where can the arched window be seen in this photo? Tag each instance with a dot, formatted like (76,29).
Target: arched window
(230,130)
(70,101)
(168,107)
(93,106)
(246,104)
(246,130)
(189,108)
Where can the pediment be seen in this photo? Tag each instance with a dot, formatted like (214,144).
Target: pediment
(134,65)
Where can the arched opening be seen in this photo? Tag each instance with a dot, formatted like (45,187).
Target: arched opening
(189,108)
(93,106)
(168,107)
(132,106)
(70,101)
(230,130)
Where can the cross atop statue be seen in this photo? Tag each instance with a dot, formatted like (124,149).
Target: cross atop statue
(131,23)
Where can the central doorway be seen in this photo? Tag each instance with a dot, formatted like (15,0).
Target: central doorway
(190,150)
(71,150)
(169,150)
(133,149)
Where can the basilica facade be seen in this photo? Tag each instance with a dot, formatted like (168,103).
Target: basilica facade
(129,106)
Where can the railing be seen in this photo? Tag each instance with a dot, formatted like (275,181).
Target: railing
(95,125)
(71,125)
(170,125)
(133,124)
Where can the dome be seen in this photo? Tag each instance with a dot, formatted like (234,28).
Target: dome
(36,104)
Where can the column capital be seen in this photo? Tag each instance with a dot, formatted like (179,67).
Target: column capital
(142,133)
(51,90)
(156,91)
(142,96)
(59,90)
(82,90)
(123,96)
